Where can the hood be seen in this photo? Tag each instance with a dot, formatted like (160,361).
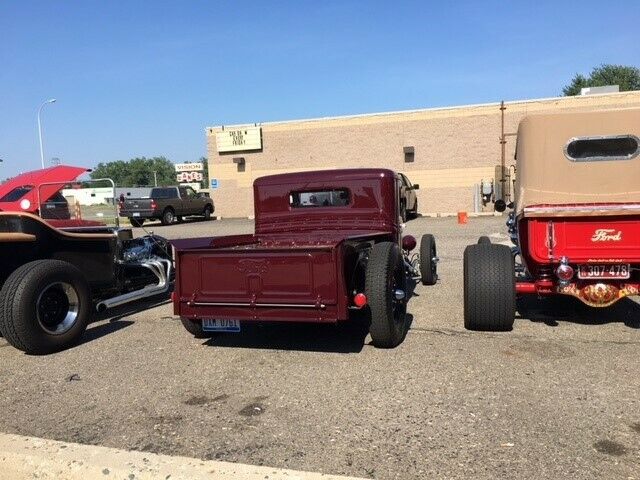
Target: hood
(32,182)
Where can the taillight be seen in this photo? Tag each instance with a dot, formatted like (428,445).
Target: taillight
(154,205)
(564,272)
(359,300)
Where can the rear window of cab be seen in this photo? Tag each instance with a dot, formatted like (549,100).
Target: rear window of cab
(319,198)
(594,149)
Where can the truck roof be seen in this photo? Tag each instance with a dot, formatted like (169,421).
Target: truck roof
(548,174)
(323,175)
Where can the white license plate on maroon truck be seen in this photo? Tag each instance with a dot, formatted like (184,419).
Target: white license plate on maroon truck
(219,325)
(606,271)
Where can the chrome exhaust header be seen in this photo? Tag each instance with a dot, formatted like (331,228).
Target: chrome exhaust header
(161,268)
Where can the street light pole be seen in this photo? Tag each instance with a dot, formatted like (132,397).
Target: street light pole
(155,178)
(51,100)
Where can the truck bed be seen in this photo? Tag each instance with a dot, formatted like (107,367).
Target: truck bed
(262,277)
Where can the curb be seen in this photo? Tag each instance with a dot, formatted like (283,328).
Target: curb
(23,458)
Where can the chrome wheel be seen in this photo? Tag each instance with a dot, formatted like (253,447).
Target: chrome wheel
(57,308)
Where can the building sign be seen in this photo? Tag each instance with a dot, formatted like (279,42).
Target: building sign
(189,167)
(189,177)
(239,139)
(214,183)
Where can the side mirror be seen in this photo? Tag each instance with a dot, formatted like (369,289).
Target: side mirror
(416,186)
(500,205)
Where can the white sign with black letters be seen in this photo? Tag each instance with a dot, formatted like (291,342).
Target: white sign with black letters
(239,139)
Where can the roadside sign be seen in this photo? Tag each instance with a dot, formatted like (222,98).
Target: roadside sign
(189,177)
(189,167)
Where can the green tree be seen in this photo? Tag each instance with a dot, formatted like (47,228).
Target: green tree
(137,172)
(628,78)
(205,172)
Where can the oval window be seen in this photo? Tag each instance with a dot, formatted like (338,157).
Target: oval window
(593,149)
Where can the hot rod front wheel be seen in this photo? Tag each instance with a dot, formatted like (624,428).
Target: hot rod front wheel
(428,260)
(45,306)
(386,287)
(489,288)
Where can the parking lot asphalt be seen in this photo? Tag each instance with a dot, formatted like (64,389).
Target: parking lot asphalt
(557,397)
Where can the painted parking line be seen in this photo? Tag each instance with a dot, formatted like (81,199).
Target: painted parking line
(24,458)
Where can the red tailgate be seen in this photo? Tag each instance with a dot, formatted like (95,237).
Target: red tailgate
(585,239)
(258,284)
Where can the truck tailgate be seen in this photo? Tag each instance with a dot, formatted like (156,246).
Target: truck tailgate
(137,204)
(586,239)
(247,281)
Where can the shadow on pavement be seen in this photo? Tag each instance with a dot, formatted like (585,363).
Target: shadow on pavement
(550,310)
(345,337)
(98,331)
(114,318)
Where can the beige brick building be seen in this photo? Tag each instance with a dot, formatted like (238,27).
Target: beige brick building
(453,148)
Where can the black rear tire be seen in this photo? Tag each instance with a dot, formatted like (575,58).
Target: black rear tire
(168,217)
(489,288)
(207,212)
(45,306)
(428,263)
(384,274)
(194,327)
(136,222)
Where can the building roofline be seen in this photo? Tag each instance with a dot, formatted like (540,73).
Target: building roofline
(418,110)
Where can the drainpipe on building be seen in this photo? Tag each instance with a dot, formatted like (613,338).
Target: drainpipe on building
(476,198)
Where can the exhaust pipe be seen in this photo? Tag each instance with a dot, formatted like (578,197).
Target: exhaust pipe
(163,285)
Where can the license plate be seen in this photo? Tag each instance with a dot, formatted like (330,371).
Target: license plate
(136,214)
(219,325)
(617,270)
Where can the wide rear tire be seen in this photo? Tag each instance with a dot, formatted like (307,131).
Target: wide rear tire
(489,288)
(45,306)
(428,260)
(194,327)
(385,274)
(207,212)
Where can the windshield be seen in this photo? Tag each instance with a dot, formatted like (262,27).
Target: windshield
(17,193)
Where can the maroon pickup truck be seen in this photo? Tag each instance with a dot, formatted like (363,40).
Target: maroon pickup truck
(325,243)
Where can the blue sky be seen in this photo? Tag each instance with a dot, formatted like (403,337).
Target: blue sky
(144,78)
